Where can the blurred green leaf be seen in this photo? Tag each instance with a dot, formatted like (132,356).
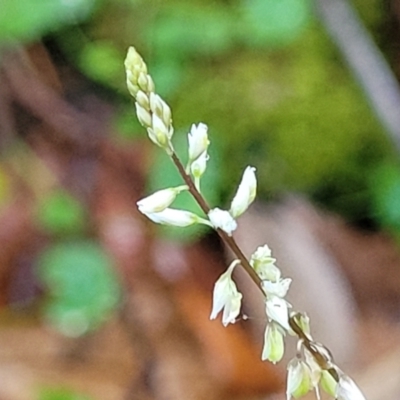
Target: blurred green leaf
(27,20)
(60,393)
(83,289)
(385,190)
(60,213)
(274,22)
(101,61)
(184,30)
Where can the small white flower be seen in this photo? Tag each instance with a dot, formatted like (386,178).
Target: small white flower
(223,220)
(263,264)
(298,380)
(173,217)
(346,389)
(279,288)
(198,166)
(245,194)
(226,297)
(198,141)
(159,200)
(274,346)
(277,310)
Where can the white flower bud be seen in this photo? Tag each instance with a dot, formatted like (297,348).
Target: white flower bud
(198,167)
(143,100)
(277,310)
(134,61)
(143,81)
(134,66)
(346,389)
(159,200)
(173,217)
(143,115)
(245,194)
(226,297)
(198,141)
(221,219)
(279,288)
(303,320)
(159,132)
(298,380)
(274,346)
(263,264)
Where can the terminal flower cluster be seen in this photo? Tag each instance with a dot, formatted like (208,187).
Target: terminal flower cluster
(312,367)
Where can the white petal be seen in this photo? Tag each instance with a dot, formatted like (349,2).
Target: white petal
(159,200)
(232,308)
(173,217)
(277,310)
(245,194)
(348,390)
(223,220)
(278,289)
(263,263)
(198,141)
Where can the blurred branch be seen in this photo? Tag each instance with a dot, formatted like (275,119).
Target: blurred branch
(46,104)
(365,61)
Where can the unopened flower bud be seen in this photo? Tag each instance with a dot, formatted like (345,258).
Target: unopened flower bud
(274,346)
(198,167)
(298,380)
(221,219)
(143,100)
(159,200)
(134,66)
(142,81)
(328,383)
(143,116)
(245,194)
(303,321)
(173,217)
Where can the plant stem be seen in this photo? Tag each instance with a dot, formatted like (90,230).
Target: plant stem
(231,243)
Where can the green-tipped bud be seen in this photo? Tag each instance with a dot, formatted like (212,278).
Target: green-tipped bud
(143,100)
(303,321)
(134,66)
(328,383)
(274,345)
(159,107)
(145,82)
(299,379)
